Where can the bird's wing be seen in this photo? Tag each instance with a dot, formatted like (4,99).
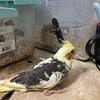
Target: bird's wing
(46,75)
(49,60)
(20,82)
(25,83)
(53,80)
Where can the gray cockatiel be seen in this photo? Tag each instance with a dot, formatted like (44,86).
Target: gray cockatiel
(45,75)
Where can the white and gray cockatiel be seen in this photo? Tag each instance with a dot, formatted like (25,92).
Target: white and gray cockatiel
(45,75)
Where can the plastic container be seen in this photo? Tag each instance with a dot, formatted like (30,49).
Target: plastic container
(12,44)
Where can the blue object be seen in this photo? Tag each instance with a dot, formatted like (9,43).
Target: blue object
(96,7)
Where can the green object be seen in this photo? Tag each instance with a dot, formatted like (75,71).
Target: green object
(7,3)
(27,2)
(7,9)
(20,2)
(8,12)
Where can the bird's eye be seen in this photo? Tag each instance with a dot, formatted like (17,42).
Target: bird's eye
(73,51)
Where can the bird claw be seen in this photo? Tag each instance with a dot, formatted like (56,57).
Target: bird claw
(50,92)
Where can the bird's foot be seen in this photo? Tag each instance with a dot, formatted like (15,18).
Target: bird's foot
(50,92)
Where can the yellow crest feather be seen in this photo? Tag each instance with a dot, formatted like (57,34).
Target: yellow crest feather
(68,44)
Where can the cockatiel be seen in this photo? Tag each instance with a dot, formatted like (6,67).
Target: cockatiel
(43,76)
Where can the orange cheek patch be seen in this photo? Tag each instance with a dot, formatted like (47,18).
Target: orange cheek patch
(69,56)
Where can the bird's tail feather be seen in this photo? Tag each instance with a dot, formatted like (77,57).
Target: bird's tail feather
(6,85)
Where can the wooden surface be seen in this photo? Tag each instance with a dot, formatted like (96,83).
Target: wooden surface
(83,82)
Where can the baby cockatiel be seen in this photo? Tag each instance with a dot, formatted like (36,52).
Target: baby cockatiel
(45,75)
